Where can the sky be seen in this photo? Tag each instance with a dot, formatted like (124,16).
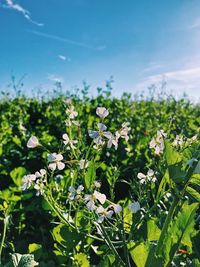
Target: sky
(138,42)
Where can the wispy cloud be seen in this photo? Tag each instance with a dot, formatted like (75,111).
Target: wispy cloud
(180,80)
(9,4)
(66,40)
(195,24)
(152,66)
(55,78)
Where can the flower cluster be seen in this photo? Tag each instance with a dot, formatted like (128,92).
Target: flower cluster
(75,194)
(178,141)
(71,113)
(158,143)
(150,176)
(95,202)
(38,180)
(112,139)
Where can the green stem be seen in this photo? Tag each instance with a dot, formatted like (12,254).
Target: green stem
(64,221)
(125,243)
(3,237)
(111,246)
(166,223)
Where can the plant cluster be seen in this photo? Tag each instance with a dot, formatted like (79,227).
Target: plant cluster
(113,186)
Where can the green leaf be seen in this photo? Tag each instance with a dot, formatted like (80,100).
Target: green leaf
(195,179)
(90,174)
(139,253)
(82,260)
(66,237)
(16,140)
(18,260)
(35,249)
(17,174)
(192,192)
(172,156)
(153,231)
(174,162)
(162,184)
(181,228)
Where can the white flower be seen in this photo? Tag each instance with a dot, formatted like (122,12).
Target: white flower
(72,193)
(69,142)
(27,181)
(96,184)
(103,213)
(194,138)
(91,199)
(56,162)
(75,193)
(83,164)
(112,140)
(178,141)
(123,132)
(141,177)
(134,207)
(98,135)
(40,173)
(117,208)
(71,112)
(158,143)
(150,176)
(39,187)
(102,112)
(32,142)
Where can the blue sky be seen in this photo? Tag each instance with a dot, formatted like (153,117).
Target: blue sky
(139,43)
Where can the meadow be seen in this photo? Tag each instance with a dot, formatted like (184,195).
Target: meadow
(99,181)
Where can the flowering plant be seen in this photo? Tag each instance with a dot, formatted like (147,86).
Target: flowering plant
(95,222)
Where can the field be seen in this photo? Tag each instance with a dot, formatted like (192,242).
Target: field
(99,181)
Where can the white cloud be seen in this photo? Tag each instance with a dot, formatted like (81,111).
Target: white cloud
(195,25)
(55,78)
(27,15)
(62,57)
(180,81)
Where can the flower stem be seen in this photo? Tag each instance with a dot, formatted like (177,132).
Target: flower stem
(3,237)
(111,246)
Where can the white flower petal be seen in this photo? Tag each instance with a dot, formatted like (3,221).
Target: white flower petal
(100,209)
(101,197)
(52,157)
(66,139)
(102,127)
(150,172)
(101,219)
(90,205)
(60,165)
(108,135)
(117,208)
(32,142)
(52,166)
(141,176)
(102,112)
(93,134)
(59,157)
(134,207)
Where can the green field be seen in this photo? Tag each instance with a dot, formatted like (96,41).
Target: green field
(125,195)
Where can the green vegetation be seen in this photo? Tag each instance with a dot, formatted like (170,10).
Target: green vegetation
(140,197)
